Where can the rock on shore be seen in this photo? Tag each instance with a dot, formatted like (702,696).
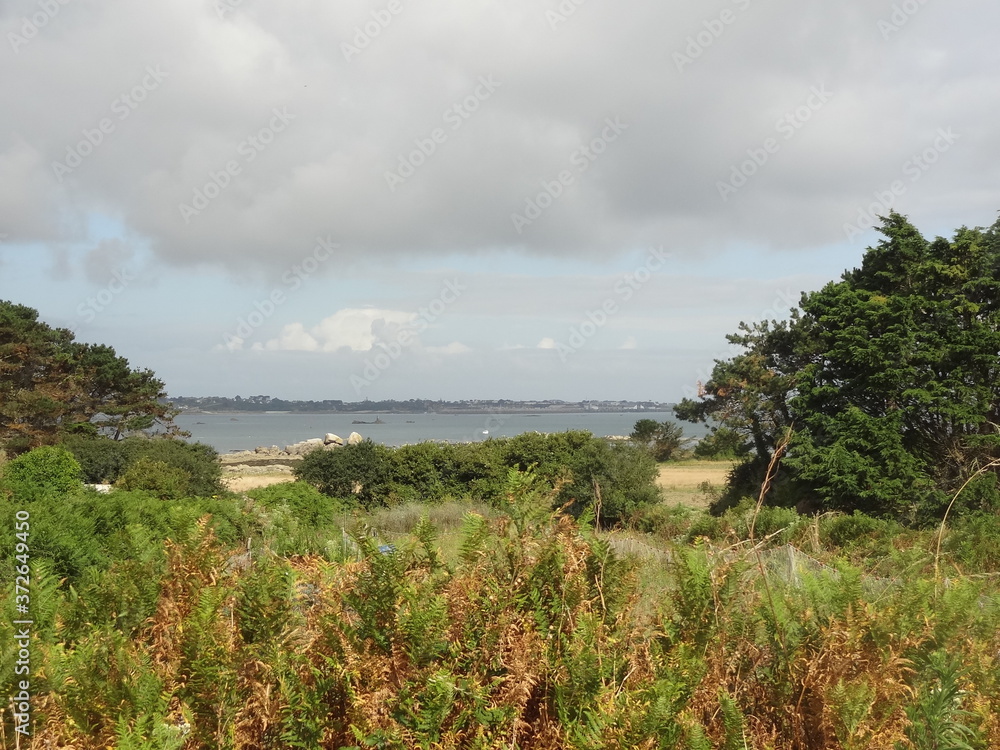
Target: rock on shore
(261,453)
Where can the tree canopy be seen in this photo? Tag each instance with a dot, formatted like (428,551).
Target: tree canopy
(51,385)
(888,380)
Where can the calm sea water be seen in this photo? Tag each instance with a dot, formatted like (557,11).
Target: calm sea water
(230,432)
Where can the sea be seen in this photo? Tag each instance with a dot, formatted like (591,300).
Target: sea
(229,431)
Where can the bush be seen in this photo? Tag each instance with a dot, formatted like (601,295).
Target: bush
(309,506)
(844,530)
(42,472)
(106,460)
(363,470)
(157,478)
(582,466)
(102,459)
(667,521)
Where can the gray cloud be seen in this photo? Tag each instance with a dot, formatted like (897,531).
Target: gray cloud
(349,122)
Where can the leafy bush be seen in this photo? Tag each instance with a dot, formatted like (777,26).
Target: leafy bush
(42,472)
(584,468)
(847,530)
(102,459)
(310,506)
(668,521)
(157,478)
(106,460)
(363,470)
(199,461)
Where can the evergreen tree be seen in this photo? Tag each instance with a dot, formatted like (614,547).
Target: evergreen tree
(889,378)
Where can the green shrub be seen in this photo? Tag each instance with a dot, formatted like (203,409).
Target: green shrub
(106,460)
(973,542)
(157,478)
(199,461)
(310,507)
(42,472)
(708,527)
(844,531)
(102,459)
(668,521)
(768,521)
(363,470)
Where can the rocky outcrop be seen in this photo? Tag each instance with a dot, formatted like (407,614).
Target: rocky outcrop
(261,453)
(300,449)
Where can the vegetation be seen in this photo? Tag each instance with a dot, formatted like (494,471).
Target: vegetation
(610,479)
(106,461)
(287,618)
(886,380)
(662,439)
(51,386)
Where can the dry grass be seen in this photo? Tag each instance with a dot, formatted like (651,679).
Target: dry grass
(242,483)
(681,481)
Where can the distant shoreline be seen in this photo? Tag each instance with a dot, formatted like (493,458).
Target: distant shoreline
(448,412)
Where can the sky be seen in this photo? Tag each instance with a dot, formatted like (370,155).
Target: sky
(557,199)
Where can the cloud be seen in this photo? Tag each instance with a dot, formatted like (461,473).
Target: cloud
(455,347)
(203,132)
(546,343)
(356,329)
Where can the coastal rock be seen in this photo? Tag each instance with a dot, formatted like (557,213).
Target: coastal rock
(300,449)
(331,438)
(354,438)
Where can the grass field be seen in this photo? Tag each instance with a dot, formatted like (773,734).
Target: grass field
(681,481)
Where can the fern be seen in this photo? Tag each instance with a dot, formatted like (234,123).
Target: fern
(936,719)
(696,738)
(733,723)
(851,705)
(475,533)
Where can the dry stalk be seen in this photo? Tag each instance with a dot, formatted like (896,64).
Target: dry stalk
(937,551)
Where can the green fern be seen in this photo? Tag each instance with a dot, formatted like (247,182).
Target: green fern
(733,723)
(851,704)
(936,719)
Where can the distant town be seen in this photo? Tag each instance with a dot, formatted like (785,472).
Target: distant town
(192,404)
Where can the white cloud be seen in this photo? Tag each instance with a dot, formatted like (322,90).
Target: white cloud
(455,347)
(546,343)
(357,329)
(630,343)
